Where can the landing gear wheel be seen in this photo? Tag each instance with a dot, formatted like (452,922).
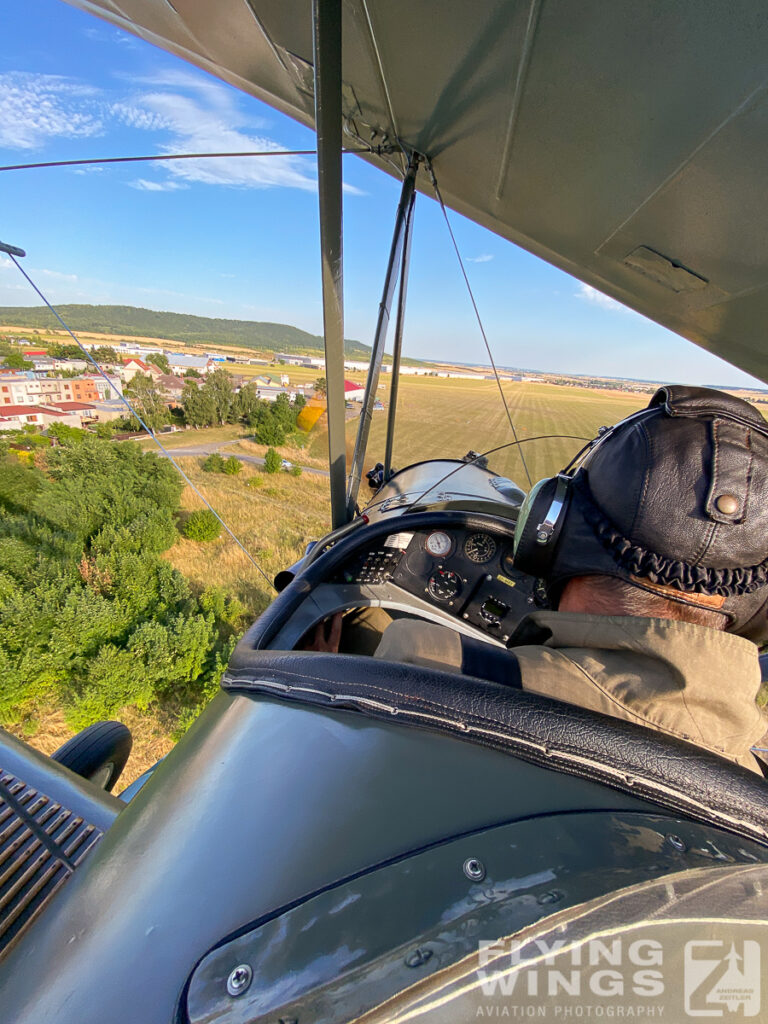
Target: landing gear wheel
(97,753)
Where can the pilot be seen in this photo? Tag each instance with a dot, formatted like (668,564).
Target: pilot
(654,551)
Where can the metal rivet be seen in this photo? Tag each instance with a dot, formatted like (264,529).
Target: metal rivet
(676,843)
(418,957)
(728,504)
(239,980)
(474,869)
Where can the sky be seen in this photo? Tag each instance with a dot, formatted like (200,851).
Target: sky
(238,238)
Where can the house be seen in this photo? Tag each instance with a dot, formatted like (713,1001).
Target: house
(82,411)
(353,392)
(109,388)
(103,412)
(171,386)
(134,365)
(179,364)
(26,389)
(14,417)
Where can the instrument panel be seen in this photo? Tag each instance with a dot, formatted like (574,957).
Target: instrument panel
(468,573)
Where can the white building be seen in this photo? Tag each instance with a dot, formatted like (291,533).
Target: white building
(179,364)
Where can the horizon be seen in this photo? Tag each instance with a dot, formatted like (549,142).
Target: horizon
(240,236)
(757,386)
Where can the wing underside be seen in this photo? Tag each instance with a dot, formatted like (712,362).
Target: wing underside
(622,142)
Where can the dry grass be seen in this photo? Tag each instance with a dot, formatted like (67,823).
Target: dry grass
(273,520)
(46,730)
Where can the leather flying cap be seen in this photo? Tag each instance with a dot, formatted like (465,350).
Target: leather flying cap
(676,498)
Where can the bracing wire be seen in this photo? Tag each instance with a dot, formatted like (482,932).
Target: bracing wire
(477,314)
(492,451)
(176,156)
(135,414)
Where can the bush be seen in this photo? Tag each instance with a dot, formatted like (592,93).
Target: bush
(255,481)
(232,466)
(214,463)
(202,525)
(295,470)
(272,461)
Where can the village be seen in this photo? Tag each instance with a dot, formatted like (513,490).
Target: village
(70,391)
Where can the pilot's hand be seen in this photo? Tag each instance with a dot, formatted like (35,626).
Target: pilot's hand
(326,636)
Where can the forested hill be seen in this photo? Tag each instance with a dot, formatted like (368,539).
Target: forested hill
(192,330)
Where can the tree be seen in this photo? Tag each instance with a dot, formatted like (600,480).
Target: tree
(202,526)
(198,405)
(105,354)
(272,461)
(160,360)
(270,432)
(192,373)
(219,386)
(16,361)
(321,386)
(214,463)
(66,434)
(148,401)
(232,466)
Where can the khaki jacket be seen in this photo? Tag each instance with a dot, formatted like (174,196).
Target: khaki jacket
(696,683)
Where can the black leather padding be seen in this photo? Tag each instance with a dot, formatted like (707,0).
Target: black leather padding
(670,773)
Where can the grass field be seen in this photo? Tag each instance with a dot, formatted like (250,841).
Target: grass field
(439,417)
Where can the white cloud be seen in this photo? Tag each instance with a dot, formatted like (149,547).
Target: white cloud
(203,116)
(590,294)
(485,257)
(143,185)
(34,108)
(183,111)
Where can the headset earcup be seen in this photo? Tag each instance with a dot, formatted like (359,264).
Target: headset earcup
(530,556)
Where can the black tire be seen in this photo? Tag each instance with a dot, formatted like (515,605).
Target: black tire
(97,753)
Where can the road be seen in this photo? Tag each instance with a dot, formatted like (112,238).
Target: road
(214,446)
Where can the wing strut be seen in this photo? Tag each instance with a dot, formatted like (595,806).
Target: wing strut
(398,345)
(395,257)
(326,24)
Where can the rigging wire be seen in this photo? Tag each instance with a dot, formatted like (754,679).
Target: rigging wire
(134,413)
(477,313)
(491,451)
(374,150)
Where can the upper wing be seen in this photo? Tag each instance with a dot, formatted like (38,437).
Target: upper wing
(624,142)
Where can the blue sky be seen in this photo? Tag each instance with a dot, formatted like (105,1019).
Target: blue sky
(237,238)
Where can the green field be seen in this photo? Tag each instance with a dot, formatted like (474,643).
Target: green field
(439,418)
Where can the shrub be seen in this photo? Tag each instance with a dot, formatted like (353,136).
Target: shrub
(255,481)
(202,525)
(295,471)
(232,466)
(214,463)
(272,461)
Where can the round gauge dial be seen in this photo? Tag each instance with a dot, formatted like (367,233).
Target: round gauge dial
(479,548)
(439,544)
(444,585)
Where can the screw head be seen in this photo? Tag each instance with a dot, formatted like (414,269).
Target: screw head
(239,980)
(676,843)
(474,869)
